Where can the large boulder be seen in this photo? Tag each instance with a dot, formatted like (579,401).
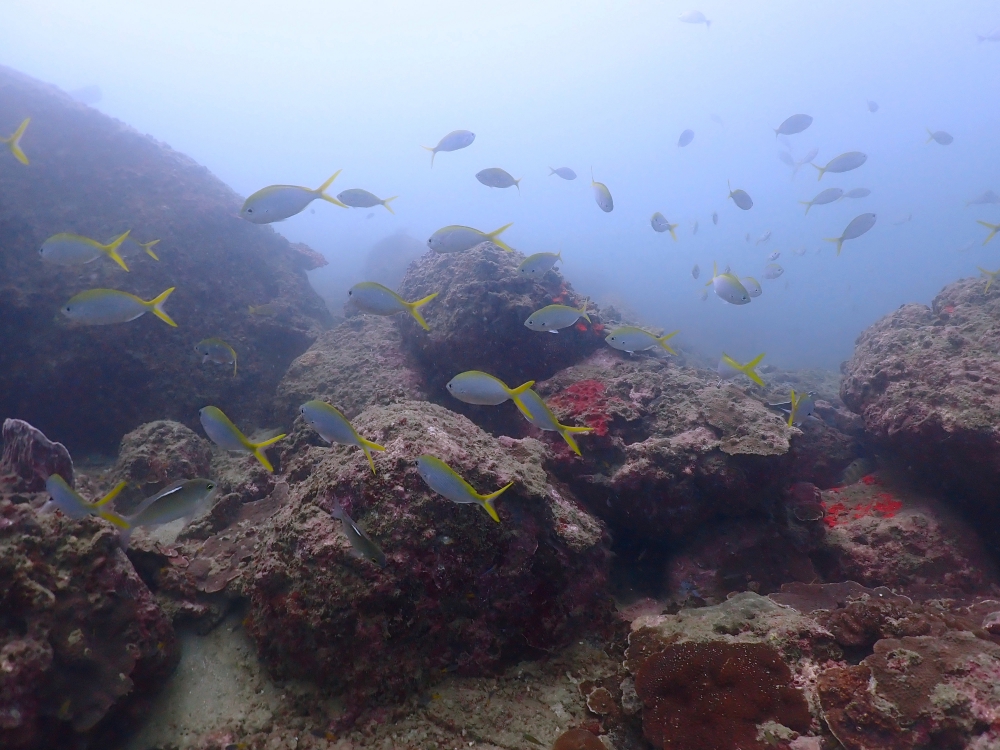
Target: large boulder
(92,175)
(927,383)
(459,592)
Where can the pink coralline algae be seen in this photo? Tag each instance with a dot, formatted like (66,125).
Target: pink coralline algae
(586,403)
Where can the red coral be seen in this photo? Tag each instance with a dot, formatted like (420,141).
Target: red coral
(832,513)
(712,696)
(585,400)
(887,505)
(870,479)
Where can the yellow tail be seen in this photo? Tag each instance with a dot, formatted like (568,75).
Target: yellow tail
(433,153)
(673,234)
(259,454)
(822,171)
(112,249)
(386,204)
(14,142)
(517,184)
(367,445)
(662,341)
(156,305)
(839,241)
(322,190)
(583,309)
(520,389)
(111,495)
(494,237)
(148,247)
(487,501)
(807,204)
(416,313)
(994,228)
(991,276)
(747,369)
(567,433)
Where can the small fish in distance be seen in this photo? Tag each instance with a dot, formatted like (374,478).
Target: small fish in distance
(455,140)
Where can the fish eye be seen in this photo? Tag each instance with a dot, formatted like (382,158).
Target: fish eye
(210,486)
(249,210)
(350,292)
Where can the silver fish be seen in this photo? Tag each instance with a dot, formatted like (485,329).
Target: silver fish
(494,177)
(741,198)
(455,140)
(715,217)
(565,172)
(843,163)
(360,541)
(773,271)
(872,106)
(824,197)
(794,124)
(939,136)
(775,255)
(987,198)
(763,238)
(686,137)
(858,226)
(857,193)
(695,272)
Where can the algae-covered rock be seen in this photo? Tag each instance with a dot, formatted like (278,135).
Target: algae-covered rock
(89,174)
(459,591)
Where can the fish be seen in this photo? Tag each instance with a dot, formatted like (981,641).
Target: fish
(100,307)
(704,295)
(991,276)
(857,193)
(227,436)
(132,246)
(773,271)
(752,286)
(660,224)
(686,137)
(14,142)
(786,158)
(537,265)
(280,202)
(824,197)
(730,368)
(810,155)
(994,228)
(716,119)
(872,106)
(375,299)
(445,481)
(775,255)
(64,498)
(902,219)
(728,287)
(800,251)
(553,317)
(792,125)
(334,427)
(267,309)
(601,194)
(715,218)
(695,272)
(218,351)
(843,163)
(740,198)
(481,388)
(361,543)
(370,215)
(565,172)
(458,239)
(631,339)
(494,177)
(858,226)
(67,249)
(993,36)
(854,471)
(358,198)
(694,227)
(455,140)
(183,499)
(987,198)
(695,16)
(939,136)
(539,414)
(800,407)
(763,238)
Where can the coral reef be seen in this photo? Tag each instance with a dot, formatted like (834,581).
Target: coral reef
(460,592)
(29,458)
(81,639)
(94,176)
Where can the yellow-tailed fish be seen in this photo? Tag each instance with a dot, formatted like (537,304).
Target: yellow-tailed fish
(14,142)
(826,196)
(741,198)
(991,276)
(132,246)
(334,427)
(602,195)
(67,249)
(843,163)
(660,224)
(695,16)
(100,307)
(631,339)
(730,368)
(537,265)
(728,287)
(794,124)
(455,140)
(475,387)
(994,228)
(376,299)
(358,198)
(538,413)
(752,286)
(183,499)
(858,226)
(565,172)
(66,499)
(494,177)
(217,351)
(458,239)
(553,317)
(939,136)
(227,436)
(279,202)
(362,544)
(442,479)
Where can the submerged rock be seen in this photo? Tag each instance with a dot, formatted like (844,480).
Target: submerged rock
(30,458)
(92,175)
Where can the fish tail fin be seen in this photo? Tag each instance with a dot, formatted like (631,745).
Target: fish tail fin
(521,388)
(111,495)
(386,203)
(487,501)
(551,171)
(662,341)
(258,452)
(367,446)
(558,256)
(994,228)
(321,190)
(112,249)
(583,309)
(148,247)
(673,234)
(807,204)
(517,184)
(567,433)
(14,142)
(494,237)
(515,394)
(930,135)
(708,24)
(415,312)
(838,241)
(114,518)
(433,153)
(750,371)
(156,305)
(822,171)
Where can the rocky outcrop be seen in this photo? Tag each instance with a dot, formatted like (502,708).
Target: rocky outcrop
(30,458)
(92,175)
